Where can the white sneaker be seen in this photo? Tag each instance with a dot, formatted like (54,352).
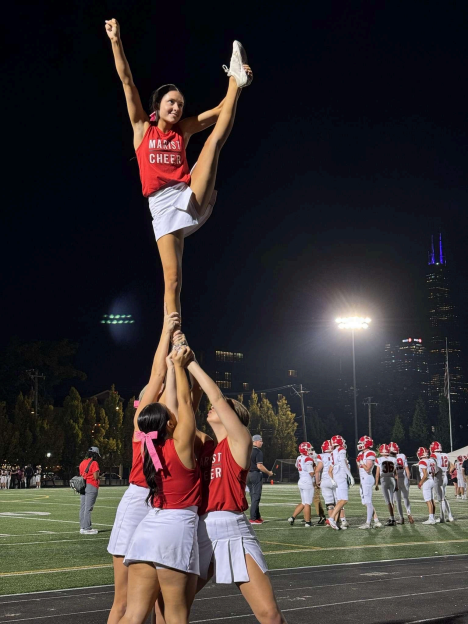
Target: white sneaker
(89,531)
(344,523)
(429,522)
(236,67)
(400,521)
(366,525)
(440,521)
(451,519)
(81,531)
(333,524)
(376,524)
(291,520)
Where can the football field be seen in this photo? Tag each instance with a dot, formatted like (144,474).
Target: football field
(42,549)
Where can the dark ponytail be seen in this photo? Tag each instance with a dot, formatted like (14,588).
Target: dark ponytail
(153,417)
(157,96)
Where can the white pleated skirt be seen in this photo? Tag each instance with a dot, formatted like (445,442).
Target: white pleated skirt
(168,539)
(226,537)
(175,208)
(130,512)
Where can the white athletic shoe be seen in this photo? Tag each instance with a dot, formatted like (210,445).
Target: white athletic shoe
(236,67)
(333,524)
(344,523)
(366,525)
(89,531)
(400,521)
(440,521)
(81,531)
(451,519)
(377,524)
(291,520)
(429,522)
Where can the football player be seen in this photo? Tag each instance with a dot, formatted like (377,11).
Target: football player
(341,474)
(427,469)
(323,479)
(306,467)
(365,462)
(386,471)
(403,482)
(460,478)
(440,480)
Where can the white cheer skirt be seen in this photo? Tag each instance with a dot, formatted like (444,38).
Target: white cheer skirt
(226,537)
(130,512)
(175,208)
(168,539)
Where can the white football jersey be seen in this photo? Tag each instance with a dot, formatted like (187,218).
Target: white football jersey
(429,465)
(442,461)
(401,465)
(387,466)
(326,459)
(339,461)
(306,467)
(362,459)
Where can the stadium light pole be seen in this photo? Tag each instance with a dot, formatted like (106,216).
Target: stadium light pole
(353,323)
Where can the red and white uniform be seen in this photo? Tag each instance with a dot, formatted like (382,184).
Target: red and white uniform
(460,476)
(224,533)
(367,480)
(387,465)
(429,465)
(341,472)
(328,491)
(132,507)
(173,518)
(165,180)
(161,159)
(306,467)
(440,478)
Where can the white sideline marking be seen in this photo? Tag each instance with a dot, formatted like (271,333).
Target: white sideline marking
(64,541)
(45,617)
(335,604)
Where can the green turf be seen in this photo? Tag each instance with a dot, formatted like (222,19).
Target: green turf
(43,549)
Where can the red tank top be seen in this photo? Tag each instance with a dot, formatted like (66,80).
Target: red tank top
(223,480)
(136,475)
(178,486)
(162,159)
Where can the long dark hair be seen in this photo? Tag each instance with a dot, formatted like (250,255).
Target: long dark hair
(157,96)
(153,417)
(93,455)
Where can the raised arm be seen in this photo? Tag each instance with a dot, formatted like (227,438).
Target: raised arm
(136,112)
(158,371)
(240,440)
(184,433)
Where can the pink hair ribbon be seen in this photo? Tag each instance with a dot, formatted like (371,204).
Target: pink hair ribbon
(147,438)
(152,117)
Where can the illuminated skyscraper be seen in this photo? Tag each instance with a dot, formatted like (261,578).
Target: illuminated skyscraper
(444,325)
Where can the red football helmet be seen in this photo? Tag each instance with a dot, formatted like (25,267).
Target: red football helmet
(394,448)
(327,447)
(337,440)
(436,447)
(384,449)
(305,448)
(422,452)
(364,443)
(460,459)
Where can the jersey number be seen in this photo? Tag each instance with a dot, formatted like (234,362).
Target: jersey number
(387,467)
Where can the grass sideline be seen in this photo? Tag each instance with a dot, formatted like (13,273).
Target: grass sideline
(42,548)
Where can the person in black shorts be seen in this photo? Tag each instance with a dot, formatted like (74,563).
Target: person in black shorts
(255,479)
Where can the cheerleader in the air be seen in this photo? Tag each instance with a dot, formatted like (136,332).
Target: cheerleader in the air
(180,201)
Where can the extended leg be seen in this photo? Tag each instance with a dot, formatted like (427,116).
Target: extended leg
(204,174)
(143,589)
(171,248)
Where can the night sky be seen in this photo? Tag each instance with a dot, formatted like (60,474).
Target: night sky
(349,150)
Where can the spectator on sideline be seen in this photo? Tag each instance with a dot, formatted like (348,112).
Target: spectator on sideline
(255,479)
(92,488)
(29,473)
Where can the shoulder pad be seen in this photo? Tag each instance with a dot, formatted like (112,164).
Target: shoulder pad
(309,459)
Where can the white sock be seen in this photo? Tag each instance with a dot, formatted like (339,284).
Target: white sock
(431,517)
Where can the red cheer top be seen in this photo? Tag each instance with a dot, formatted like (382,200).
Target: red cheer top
(178,487)
(223,480)
(162,159)
(136,475)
